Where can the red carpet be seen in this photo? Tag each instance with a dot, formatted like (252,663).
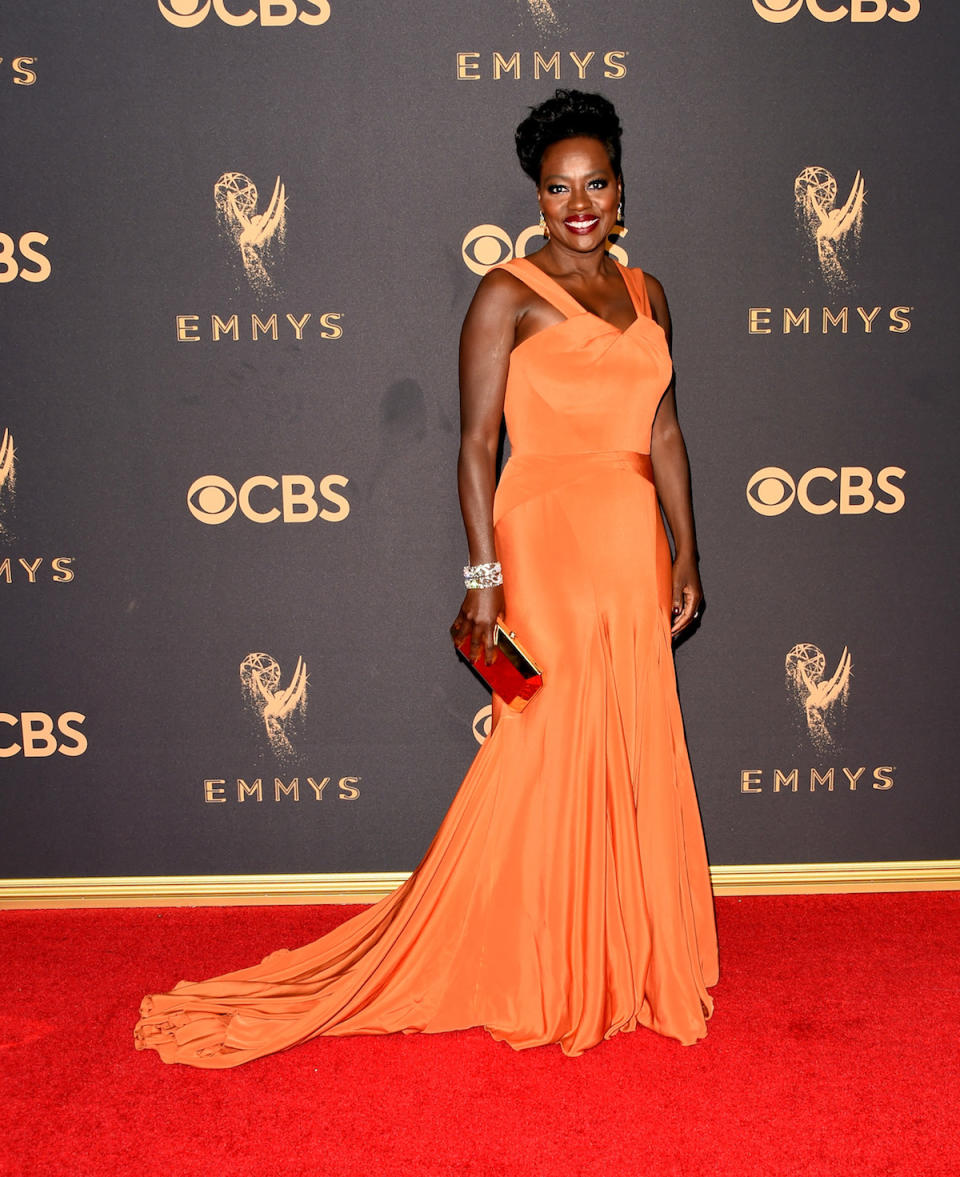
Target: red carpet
(833,1050)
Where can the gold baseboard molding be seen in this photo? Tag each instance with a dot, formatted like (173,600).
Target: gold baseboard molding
(199,890)
(827,877)
(253,890)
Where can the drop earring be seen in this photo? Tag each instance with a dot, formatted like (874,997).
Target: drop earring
(543,226)
(620,213)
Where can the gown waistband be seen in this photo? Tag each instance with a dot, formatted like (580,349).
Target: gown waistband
(641,463)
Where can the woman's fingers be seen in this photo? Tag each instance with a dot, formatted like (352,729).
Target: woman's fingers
(482,641)
(482,637)
(476,642)
(685,609)
(478,617)
(490,643)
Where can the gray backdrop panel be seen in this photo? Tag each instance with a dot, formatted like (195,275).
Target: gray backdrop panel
(389,160)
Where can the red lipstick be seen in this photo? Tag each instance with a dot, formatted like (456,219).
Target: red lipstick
(581,223)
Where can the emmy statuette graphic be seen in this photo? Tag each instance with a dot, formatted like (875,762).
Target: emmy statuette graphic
(8,473)
(835,232)
(277,706)
(821,699)
(256,235)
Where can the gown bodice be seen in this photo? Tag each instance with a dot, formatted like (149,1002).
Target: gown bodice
(582,384)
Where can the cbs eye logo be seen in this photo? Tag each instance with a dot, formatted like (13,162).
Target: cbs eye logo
(187,14)
(853,490)
(482,723)
(486,246)
(213,499)
(778,12)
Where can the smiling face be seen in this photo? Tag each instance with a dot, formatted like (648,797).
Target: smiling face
(579,194)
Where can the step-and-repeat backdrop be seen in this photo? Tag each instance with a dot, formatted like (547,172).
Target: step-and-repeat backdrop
(237,240)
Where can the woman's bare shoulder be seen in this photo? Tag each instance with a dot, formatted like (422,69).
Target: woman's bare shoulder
(500,292)
(500,283)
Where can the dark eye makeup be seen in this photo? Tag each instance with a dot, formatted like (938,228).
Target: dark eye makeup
(598,182)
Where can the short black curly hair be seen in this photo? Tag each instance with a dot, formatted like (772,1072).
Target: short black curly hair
(568,115)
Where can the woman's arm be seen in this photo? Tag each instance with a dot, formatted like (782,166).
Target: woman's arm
(671,474)
(486,341)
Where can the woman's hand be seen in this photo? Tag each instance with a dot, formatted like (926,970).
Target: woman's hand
(478,616)
(687,593)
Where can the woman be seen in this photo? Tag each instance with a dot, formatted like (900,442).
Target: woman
(566,895)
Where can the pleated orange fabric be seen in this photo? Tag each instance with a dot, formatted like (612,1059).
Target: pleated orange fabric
(566,895)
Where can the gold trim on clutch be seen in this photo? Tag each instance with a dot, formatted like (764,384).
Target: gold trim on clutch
(254,890)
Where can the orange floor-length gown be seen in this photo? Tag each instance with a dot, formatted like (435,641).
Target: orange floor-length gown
(566,895)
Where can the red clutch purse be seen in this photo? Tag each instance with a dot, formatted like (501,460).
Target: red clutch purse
(513,674)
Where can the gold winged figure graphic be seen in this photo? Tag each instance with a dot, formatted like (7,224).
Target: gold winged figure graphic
(545,16)
(818,696)
(277,706)
(7,455)
(8,474)
(830,227)
(253,233)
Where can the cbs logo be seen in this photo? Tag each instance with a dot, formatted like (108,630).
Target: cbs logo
(482,723)
(486,246)
(212,499)
(860,11)
(36,734)
(11,268)
(23,74)
(771,491)
(186,14)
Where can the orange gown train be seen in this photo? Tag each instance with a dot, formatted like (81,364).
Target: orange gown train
(566,895)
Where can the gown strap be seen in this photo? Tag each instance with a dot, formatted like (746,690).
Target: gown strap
(637,289)
(552,292)
(549,289)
